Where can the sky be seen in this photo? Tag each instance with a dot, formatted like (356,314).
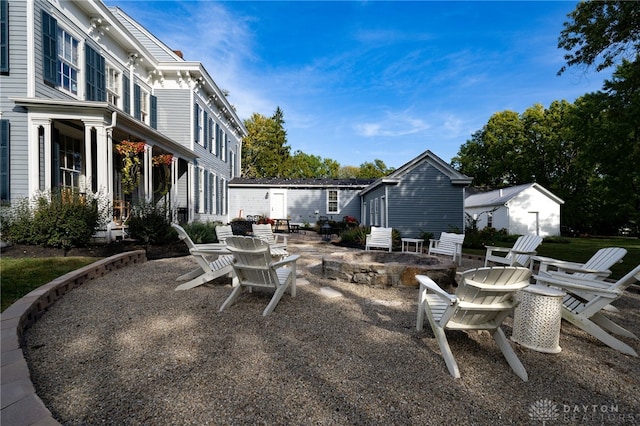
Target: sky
(367,80)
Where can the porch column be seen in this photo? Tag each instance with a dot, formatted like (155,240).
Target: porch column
(39,161)
(105,156)
(174,186)
(148,172)
(88,166)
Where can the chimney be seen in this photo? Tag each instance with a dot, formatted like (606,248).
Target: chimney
(179,53)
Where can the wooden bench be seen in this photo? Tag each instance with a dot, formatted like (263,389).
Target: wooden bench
(449,244)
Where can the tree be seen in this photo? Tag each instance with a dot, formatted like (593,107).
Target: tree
(373,170)
(311,166)
(600,33)
(264,150)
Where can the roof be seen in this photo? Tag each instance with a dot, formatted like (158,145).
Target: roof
(502,196)
(301,182)
(394,178)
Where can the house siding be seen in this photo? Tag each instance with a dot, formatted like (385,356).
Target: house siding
(425,201)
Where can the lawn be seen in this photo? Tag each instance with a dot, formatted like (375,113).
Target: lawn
(581,249)
(18,276)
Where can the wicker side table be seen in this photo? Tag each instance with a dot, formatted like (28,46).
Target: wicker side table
(536,319)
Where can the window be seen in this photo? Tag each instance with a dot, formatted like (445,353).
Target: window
(200,193)
(113,86)
(67,61)
(70,162)
(223,147)
(4,160)
(4,36)
(140,103)
(376,205)
(95,76)
(216,137)
(332,201)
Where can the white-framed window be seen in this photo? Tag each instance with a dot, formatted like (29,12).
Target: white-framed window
(371,212)
(144,107)
(68,67)
(199,126)
(113,86)
(70,157)
(332,201)
(201,190)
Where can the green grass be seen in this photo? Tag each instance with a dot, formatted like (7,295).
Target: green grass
(18,276)
(581,249)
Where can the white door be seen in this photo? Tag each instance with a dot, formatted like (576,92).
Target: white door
(278,204)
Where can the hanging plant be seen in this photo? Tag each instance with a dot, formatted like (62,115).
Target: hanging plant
(130,153)
(164,162)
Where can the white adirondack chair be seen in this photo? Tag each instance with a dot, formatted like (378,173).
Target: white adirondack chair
(379,238)
(518,255)
(449,244)
(210,264)
(254,267)
(597,267)
(587,313)
(264,232)
(482,301)
(222,232)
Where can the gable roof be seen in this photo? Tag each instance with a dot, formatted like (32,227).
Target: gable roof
(394,178)
(502,196)
(300,182)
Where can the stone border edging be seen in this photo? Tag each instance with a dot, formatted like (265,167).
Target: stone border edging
(20,403)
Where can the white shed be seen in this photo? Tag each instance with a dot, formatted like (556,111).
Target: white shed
(528,209)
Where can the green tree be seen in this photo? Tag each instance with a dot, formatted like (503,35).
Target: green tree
(600,33)
(265,152)
(373,170)
(311,166)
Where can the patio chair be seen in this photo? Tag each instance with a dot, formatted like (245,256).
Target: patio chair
(254,267)
(482,301)
(222,232)
(449,244)
(597,267)
(264,232)
(518,255)
(211,265)
(379,238)
(587,312)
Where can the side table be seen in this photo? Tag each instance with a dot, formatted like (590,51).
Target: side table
(417,241)
(537,318)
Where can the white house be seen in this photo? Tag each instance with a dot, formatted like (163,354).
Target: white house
(528,209)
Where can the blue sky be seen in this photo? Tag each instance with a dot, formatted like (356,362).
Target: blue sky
(359,81)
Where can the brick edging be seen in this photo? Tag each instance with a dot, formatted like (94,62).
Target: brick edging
(20,403)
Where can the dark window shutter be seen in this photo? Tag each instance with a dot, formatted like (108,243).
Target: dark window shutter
(154,111)
(197,189)
(137,102)
(4,160)
(196,114)
(126,94)
(4,36)
(49,49)
(95,76)
(205,130)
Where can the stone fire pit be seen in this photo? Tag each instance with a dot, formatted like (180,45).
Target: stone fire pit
(384,269)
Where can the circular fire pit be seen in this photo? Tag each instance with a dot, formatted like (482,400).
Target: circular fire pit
(384,269)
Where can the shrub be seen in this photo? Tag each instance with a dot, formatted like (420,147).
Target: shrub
(354,236)
(62,219)
(151,224)
(202,232)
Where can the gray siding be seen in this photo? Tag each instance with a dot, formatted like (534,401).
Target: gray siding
(425,201)
(174,114)
(13,85)
(250,200)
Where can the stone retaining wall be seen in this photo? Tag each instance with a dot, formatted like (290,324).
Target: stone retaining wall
(20,404)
